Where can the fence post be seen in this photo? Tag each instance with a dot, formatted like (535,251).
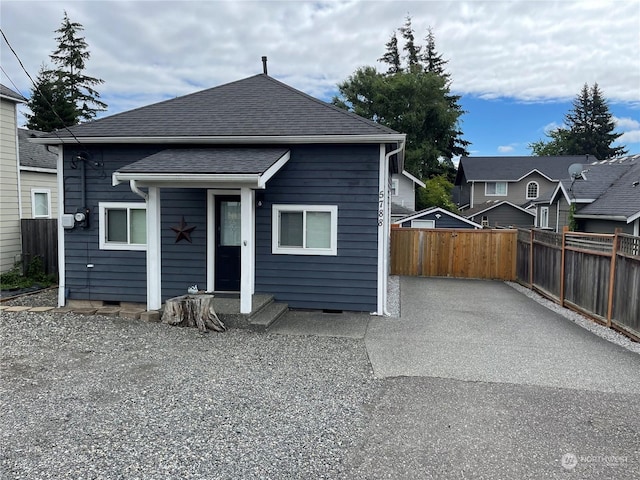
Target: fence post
(612,275)
(531,258)
(565,230)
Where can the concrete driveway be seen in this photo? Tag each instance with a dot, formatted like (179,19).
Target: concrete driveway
(476,330)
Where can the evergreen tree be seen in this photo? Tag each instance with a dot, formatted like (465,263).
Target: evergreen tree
(65,88)
(588,129)
(412,50)
(70,57)
(392,56)
(50,109)
(432,60)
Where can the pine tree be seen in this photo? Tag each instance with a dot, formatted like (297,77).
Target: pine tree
(588,130)
(392,56)
(70,57)
(412,50)
(432,60)
(50,109)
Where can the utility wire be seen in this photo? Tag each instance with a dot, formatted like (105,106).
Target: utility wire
(39,91)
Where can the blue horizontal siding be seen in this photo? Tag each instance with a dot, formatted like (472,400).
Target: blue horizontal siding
(346,176)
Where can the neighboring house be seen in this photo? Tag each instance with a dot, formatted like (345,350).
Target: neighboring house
(496,190)
(403,194)
(436,217)
(10,242)
(248,187)
(39,186)
(606,196)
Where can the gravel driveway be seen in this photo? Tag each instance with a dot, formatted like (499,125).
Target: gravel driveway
(101,397)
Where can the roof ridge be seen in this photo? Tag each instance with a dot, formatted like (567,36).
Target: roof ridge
(329,105)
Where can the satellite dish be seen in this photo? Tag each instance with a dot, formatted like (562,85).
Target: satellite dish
(575,170)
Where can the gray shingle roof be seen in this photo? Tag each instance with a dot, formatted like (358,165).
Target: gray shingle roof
(10,94)
(514,168)
(34,155)
(622,198)
(255,106)
(597,179)
(397,209)
(208,160)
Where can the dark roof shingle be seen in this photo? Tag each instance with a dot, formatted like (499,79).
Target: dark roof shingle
(6,92)
(254,106)
(32,154)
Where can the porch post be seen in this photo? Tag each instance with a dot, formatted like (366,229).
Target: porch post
(154,282)
(247,249)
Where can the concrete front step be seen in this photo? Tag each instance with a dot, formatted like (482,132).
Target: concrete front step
(269,314)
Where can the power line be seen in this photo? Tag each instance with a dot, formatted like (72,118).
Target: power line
(38,90)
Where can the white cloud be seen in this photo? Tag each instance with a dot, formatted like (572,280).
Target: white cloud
(506,148)
(632,136)
(146,50)
(626,123)
(551,126)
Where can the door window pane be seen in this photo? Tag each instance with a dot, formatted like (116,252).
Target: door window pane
(230,224)
(117,225)
(138,226)
(318,230)
(291,229)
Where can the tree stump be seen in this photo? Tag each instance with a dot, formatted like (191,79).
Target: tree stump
(192,311)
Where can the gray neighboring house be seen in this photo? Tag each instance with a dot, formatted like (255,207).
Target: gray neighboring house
(38,182)
(436,217)
(403,194)
(499,191)
(248,187)
(606,196)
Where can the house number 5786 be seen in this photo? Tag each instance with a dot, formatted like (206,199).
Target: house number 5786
(380,207)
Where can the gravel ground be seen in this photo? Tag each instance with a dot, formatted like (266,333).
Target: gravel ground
(102,397)
(600,330)
(42,298)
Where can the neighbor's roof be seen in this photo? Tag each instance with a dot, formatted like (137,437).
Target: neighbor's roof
(622,198)
(6,92)
(212,160)
(257,106)
(595,180)
(512,169)
(34,155)
(490,205)
(442,211)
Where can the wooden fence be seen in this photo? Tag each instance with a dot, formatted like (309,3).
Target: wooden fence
(460,253)
(40,239)
(596,274)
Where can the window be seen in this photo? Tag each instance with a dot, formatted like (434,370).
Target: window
(544,217)
(305,229)
(495,188)
(394,187)
(485,221)
(423,224)
(532,190)
(40,203)
(123,226)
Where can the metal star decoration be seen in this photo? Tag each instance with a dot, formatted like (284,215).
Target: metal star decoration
(183,232)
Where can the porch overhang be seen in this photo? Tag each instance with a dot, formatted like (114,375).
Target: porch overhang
(206,167)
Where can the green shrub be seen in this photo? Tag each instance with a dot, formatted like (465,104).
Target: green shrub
(14,279)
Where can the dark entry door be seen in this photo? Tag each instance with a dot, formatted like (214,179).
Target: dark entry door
(227,261)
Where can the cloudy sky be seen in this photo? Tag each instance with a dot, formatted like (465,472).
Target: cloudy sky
(517,64)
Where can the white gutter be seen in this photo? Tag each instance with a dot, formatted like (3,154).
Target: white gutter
(228,139)
(118,177)
(384,229)
(38,169)
(618,218)
(137,191)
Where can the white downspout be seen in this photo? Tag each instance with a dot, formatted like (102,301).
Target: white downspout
(384,229)
(61,252)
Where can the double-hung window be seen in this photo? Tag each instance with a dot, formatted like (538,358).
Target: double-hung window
(495,189)
(123,226)
(395,187)
(532,190)
(305,229)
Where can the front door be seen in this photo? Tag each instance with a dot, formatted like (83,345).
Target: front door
(227,255)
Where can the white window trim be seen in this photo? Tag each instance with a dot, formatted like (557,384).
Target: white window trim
(102,230)
(275,229)
(544,216)
(395,187)
(46,191)
(426,224)
(506,190)
(537,191)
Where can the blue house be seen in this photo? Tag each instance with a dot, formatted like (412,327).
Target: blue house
(247,187)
